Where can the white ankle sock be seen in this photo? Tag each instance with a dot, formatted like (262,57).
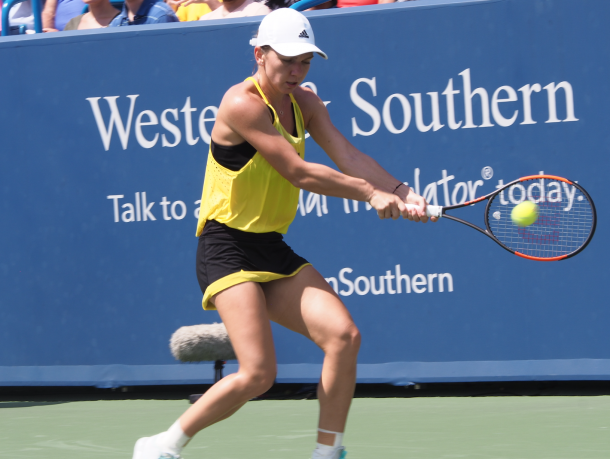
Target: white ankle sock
(338,437)
(173,440)
(328,451)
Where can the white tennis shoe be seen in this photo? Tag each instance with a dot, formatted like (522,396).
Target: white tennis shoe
(339,453)
(147,448)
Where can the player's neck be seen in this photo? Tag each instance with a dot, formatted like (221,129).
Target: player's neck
(274,96)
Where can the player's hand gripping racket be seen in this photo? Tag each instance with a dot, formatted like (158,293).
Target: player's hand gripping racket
(565,222)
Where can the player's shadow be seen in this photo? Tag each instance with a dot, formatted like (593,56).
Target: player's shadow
(27,404)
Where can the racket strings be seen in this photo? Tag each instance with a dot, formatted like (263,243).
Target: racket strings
(564,224)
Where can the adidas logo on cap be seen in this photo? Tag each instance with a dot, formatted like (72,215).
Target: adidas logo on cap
(303,34)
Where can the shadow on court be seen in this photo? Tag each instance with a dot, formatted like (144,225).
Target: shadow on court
(51,395)
(27,404)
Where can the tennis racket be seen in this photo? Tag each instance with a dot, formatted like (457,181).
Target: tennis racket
(565,224)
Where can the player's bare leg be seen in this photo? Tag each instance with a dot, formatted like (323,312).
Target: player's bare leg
(243,310)
(306,304)
(244,313)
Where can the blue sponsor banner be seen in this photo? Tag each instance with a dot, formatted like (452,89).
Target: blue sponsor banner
(104,141)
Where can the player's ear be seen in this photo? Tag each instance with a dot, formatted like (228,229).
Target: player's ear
(259,55)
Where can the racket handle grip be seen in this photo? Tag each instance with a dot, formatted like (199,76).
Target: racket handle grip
(431,211)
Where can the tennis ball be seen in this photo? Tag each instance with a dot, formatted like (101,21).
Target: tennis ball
(524,214)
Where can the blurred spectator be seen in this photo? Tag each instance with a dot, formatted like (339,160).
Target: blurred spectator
(21,14)
(324,6)
(191,11)
(238,9)
(275,4)
(348,3)
(100,14)
(140,12)
(57,13)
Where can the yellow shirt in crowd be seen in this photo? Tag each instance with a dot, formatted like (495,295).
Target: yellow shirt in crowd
(192,12)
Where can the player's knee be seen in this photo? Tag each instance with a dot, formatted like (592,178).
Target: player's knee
(260,381)
(353,338)
(346,340)
(356,338)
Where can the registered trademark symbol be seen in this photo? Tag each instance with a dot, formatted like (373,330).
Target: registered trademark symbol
(487,172)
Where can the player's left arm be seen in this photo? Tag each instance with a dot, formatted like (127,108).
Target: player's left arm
(348,158)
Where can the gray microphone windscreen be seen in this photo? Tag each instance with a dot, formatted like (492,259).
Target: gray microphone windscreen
(201,343)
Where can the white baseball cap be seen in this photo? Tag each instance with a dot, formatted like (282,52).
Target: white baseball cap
(288,32)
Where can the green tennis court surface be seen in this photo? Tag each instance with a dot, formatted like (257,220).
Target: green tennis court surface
(392,428)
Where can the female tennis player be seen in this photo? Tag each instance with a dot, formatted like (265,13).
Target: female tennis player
(246,271)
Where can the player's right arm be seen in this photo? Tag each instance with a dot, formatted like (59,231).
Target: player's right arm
(242,115)
(349,159)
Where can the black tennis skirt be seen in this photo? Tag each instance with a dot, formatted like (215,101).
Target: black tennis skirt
(227,257)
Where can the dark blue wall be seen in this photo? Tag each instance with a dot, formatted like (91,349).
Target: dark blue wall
(88,300)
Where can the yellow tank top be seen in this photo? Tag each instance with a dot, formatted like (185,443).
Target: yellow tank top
(256,198)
